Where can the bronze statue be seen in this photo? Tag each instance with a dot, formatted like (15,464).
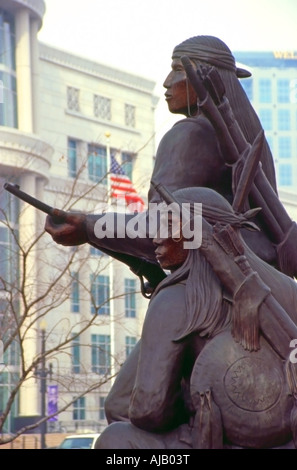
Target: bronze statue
(217,374)
(227,312)
(190,154)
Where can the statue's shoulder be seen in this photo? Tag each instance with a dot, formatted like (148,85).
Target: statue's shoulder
(196,122)
(194,128)
(167,309)
(172,294)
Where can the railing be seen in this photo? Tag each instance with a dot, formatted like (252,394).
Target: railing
(77,426)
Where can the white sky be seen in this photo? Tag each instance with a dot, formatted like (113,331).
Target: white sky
(139,35)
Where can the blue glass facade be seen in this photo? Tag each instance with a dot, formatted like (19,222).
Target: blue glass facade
(272,90)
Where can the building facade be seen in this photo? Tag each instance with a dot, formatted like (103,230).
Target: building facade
(272,89)
(61,117)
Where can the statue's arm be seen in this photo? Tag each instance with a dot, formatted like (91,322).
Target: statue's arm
(118,399)
(156,402)
(122,233)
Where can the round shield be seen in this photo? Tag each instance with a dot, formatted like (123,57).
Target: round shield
(248,387)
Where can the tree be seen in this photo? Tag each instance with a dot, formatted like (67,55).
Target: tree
(40,283)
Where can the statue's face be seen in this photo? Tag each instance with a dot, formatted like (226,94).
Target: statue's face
(169,249)
(179,94)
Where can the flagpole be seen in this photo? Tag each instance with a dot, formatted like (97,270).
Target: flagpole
(111,267)
(109,199)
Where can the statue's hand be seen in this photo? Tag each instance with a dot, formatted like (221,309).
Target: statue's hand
(67,228)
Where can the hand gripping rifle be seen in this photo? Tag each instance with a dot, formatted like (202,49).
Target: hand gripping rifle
(139,266)
(215,105)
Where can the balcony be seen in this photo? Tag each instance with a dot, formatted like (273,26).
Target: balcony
(22,152)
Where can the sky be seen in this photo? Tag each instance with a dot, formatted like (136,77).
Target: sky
(138,36)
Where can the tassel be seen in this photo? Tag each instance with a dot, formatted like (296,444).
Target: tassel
(245,312)
(293,419)
(228,239)
(207,428)
(291,376)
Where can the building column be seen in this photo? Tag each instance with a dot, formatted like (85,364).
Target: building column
(29,392)
(35,75)
(23,70)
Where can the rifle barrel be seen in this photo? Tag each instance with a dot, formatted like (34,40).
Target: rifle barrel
(15,190)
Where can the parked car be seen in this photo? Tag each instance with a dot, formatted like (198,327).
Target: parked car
(79,441)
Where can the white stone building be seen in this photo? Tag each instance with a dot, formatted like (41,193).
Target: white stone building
(60,118)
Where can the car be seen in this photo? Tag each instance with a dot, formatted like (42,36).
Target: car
(79,441)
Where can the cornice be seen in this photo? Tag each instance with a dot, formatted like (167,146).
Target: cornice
(95,69)
(25,152)
(36,7)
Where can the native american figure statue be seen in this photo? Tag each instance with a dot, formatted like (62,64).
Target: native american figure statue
(213,367)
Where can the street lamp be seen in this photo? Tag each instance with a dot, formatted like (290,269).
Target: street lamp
(42,374)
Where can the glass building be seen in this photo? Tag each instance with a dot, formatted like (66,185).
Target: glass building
(272,89)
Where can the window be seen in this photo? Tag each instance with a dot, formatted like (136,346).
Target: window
(11,355)
(284,147)
(72,98)
(5,256)
(285,175)
(101,408)
(283,116)
(8,86)
(72,158)
(100,354)
(8,244)
(130,298)
(102,107)
(265,116)
(9,205)
(247,85)
(97,164)
(79,409)
(96,252)
(130,344)
(293,90)
(283,91)
(265,91)
(8,382)
(129,115)
(100,293)
(74,297)
(127,164)
(8,100)
(75,356)
(7,40)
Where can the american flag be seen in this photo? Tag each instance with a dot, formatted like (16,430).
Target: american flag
(122,187)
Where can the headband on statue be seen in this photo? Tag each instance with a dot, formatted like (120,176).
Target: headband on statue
(210,55)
